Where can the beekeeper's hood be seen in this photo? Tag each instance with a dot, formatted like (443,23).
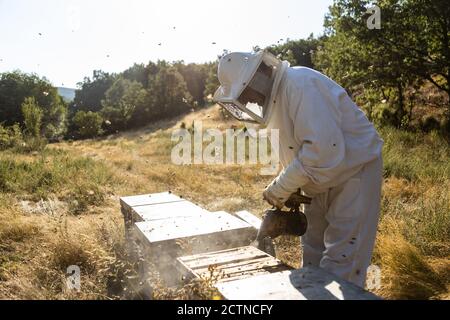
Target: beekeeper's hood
(248,84)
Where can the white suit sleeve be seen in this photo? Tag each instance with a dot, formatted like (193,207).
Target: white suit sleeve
(316,120)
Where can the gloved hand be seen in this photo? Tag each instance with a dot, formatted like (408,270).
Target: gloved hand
(276,195)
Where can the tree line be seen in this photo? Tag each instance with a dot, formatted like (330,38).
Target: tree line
(396,70)
(106,102)
(399,75)
(142,94)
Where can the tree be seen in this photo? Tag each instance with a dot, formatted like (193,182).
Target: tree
(90,94)
(88,124)
(195,76)
(138,73)
(10,137)
(16,86)
(297,52)
(211,82)
(411,47)
(32,115)
(369,72)
(124,99)
(167,92)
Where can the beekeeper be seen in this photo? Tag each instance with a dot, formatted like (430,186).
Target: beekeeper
(327,147)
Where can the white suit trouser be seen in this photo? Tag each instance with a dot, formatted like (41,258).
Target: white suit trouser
(342,225)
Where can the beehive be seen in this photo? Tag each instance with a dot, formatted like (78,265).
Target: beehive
(181,238)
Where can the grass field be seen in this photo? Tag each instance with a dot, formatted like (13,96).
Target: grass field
(60,207)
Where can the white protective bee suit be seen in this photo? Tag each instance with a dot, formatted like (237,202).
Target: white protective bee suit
(330,150)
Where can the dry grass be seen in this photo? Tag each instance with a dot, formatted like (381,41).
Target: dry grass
(39,248)
(88,177)
(413,242)
(406,273)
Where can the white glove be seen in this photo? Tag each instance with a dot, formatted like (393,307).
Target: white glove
(287,183)
(276,195)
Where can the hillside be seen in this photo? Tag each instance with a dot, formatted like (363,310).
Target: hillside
(66,199)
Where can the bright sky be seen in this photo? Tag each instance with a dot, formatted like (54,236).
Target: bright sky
(65,40)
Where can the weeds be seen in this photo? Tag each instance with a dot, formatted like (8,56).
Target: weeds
(412,246)
(405,271)
(74,178)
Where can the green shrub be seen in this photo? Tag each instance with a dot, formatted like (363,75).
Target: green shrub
(32,144)
(10,137)
(123,100)
(88,124)
(16,86)
(32,117)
